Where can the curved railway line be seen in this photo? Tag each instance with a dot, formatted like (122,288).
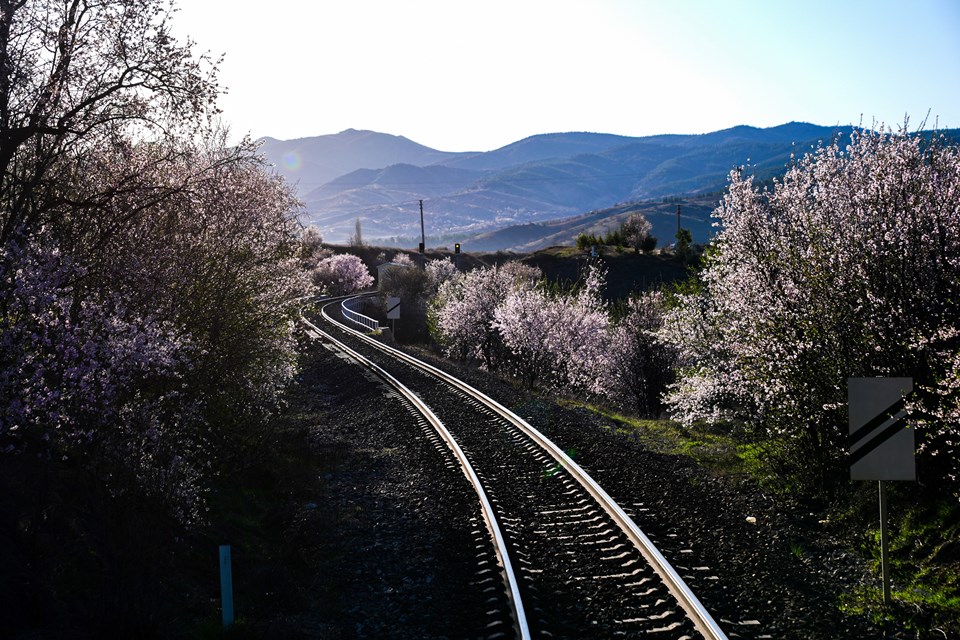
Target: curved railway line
(570,561)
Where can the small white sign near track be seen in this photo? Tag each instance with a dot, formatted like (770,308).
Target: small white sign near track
(393,308)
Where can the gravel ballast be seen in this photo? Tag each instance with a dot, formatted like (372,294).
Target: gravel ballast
(392,548)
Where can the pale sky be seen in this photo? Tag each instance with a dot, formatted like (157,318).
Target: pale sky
(476,75)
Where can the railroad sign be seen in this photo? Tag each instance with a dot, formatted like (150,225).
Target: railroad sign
(880,444)
(393,308)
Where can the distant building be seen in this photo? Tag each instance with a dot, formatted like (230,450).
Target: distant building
(386,266)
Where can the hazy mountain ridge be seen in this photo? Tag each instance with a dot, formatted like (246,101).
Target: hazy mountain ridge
(312,162)
(395,183)
(539,148)
(380,178)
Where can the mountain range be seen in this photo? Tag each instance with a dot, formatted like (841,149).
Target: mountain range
(538,191)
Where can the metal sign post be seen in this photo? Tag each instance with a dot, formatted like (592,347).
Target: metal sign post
(226,586)
(881,445)
(884,546)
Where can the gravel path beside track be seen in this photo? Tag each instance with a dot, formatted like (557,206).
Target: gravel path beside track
(390,556)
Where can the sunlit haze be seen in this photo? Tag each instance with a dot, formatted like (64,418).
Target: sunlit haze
(461,76)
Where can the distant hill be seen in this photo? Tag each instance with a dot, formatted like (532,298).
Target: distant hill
(512,196)
(312,162)
(694,215)
(537,148)
(395,183)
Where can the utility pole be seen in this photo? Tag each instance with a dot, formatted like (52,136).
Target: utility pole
(423,238)
(678,218)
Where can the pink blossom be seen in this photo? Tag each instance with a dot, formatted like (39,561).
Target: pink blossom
(341,274)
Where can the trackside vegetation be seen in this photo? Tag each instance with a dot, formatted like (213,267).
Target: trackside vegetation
(148,279)
(847,266)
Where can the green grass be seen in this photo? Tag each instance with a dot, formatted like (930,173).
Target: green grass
(797,550)
(717,451)
(924,561)
(922,617)
(563,252)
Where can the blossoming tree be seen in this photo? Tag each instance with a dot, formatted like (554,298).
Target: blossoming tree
(341,274)
(147,268)
(849,266)
(640,365)
(560,340)
(637,232)
(462,314)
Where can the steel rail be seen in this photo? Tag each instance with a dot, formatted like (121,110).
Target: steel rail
(510,580)
(695,610)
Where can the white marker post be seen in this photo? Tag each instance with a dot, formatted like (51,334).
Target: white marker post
(880,445)
(226,586)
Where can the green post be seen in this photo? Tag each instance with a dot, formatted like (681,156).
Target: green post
(884,561)
(226,586)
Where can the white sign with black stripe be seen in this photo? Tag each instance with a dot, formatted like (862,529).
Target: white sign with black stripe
(393,308)
(880,445)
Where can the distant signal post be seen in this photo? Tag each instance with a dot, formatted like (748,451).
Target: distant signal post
(423,239)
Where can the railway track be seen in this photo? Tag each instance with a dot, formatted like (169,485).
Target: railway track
(570,563)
